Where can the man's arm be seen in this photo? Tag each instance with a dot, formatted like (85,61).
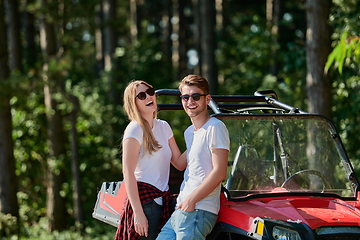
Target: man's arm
(217,175)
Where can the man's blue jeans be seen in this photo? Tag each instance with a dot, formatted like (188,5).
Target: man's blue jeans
(195,225)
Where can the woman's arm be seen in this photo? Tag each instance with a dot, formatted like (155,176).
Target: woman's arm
(131,150)
(178,160)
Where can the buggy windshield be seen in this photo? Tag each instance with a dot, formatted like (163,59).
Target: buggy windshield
(286,153)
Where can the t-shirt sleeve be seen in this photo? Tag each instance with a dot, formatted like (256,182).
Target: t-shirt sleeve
(168,130)
(220,136)
(133,130)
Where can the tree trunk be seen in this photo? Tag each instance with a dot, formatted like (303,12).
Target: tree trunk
(99,49)
(175,41)
(273,14)
(79,215)
(12,7)
(318,47)
(197,34)
(207,39)
(55,204)
(182,62)
(30,55)
(109,34)
(8,183)
(166,33)
(318,83)
(219,12)
(133,21)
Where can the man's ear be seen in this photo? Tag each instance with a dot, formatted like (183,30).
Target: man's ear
(208,97)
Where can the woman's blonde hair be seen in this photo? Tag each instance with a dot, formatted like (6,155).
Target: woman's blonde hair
(149,141)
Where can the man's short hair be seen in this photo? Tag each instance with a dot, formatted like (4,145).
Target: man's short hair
(195,80)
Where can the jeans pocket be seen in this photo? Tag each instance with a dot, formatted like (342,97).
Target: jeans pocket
(208,221)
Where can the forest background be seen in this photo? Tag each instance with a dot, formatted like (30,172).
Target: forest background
(64,65)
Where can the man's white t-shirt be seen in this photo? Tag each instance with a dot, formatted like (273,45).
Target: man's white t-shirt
(199,144)
(155,168)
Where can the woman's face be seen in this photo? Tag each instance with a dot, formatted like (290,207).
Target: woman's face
(145,103)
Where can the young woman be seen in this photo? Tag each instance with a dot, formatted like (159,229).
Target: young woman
(148,147)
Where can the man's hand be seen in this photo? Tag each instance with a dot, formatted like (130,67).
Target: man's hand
(187,206)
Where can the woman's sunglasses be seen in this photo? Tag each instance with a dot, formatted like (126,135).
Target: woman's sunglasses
(142,95)
(195,97)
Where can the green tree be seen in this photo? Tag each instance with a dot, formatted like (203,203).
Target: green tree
(343,65)
(145,40)
(347,49)
(8,181)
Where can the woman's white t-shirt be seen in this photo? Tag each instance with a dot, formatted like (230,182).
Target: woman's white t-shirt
(155,168)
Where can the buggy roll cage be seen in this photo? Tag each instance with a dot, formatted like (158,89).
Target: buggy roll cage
(265,100)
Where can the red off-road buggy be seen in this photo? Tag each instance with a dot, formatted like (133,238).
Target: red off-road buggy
(289,176)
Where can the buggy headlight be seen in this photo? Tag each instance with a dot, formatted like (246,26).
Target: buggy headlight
(281,233)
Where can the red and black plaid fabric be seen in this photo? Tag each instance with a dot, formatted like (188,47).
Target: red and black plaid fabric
(147,192)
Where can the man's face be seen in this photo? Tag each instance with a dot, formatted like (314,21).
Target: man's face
(194,101)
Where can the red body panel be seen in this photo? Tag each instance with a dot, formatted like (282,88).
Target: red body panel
(314,211)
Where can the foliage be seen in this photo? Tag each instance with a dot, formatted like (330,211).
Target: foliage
(345,21)
(348,48)
(98,231)
(8,225)
(100,123)
(244,56)
(345,59)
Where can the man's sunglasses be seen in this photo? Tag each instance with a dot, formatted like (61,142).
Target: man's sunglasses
(142,95)
(195,97)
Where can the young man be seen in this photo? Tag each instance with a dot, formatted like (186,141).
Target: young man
(207,143)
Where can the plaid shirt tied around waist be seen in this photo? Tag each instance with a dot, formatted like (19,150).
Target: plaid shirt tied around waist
(147,192)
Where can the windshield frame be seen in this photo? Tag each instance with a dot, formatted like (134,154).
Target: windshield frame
(296,116)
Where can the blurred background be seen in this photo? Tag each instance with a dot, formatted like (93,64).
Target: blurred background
(65,63)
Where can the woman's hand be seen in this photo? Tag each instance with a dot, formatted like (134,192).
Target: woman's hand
(141,224)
